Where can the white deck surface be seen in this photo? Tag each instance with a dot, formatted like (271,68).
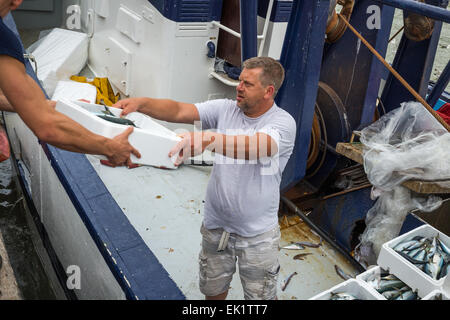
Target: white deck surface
(166,208)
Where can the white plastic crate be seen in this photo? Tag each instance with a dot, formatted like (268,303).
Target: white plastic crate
(365,276)
(353,287)
(436,295)
(61,54)
(151,139)
(72,90)
(410,274)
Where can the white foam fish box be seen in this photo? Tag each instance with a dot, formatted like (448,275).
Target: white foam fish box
(353,287)
(72,90)
(407,272)
(152,140)
(436,295)
(366,275)
(61,54)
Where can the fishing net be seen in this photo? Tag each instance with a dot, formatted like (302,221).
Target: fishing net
(407,143)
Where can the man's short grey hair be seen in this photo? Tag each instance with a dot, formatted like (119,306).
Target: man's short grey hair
(272,71)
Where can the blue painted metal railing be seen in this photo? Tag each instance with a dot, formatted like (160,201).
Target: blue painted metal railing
(433,12)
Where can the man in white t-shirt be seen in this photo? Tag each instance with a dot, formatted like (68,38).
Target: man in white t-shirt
(252,141)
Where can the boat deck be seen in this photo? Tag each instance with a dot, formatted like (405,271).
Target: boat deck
(166,209)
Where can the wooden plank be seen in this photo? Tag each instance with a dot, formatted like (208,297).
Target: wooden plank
(354,151)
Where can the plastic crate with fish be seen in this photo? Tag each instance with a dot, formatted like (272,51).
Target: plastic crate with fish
(351,289)
(386,286)
(151,139)
(436,295)
(420,258)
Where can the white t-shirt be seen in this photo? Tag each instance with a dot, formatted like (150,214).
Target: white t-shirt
(243,196)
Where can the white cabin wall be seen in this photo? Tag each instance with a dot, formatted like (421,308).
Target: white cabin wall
(274,38)
(169,62)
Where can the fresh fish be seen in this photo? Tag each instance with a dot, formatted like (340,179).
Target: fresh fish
(430,255)
(301,256)
(117,120)
(418,244)
(443,247)
(341,273)
(413,253)
(387,285)
(435,265)
(293,247)
(392,294)
(407,295)
(286,282)
(308,244)
(444,270)
(421,255)
(412,260)
(404,245)
(341,296)
(389,277)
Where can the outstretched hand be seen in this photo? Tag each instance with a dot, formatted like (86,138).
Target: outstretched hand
(123,149)
(193,144)
(128,105)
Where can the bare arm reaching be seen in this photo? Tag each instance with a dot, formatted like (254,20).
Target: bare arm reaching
(161,109)
(51,126)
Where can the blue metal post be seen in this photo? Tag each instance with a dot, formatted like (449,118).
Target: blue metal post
(249,32)
(414,62)
(354,74)
(440,86)
(301,57)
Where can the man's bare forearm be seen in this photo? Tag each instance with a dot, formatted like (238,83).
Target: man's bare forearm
(5,105)
(162,109)
(245,147)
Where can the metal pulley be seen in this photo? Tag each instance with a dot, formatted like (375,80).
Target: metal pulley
(335,26)
(417,27)
(330,126)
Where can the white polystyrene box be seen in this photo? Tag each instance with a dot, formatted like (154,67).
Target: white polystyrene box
(410,274)
(436,295)
(73,91)
(61,54)
(365,276)
(151,139)
(352,286)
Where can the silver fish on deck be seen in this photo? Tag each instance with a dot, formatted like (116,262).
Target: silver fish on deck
(308,244)
(293,246)
(286,282)
(341,273)
(301,256)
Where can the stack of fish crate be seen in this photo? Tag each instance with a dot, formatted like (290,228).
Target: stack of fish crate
(418,283)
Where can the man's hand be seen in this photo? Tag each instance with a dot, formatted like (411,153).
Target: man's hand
(121,149)
(128,105)
(193,144)
(51,103)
